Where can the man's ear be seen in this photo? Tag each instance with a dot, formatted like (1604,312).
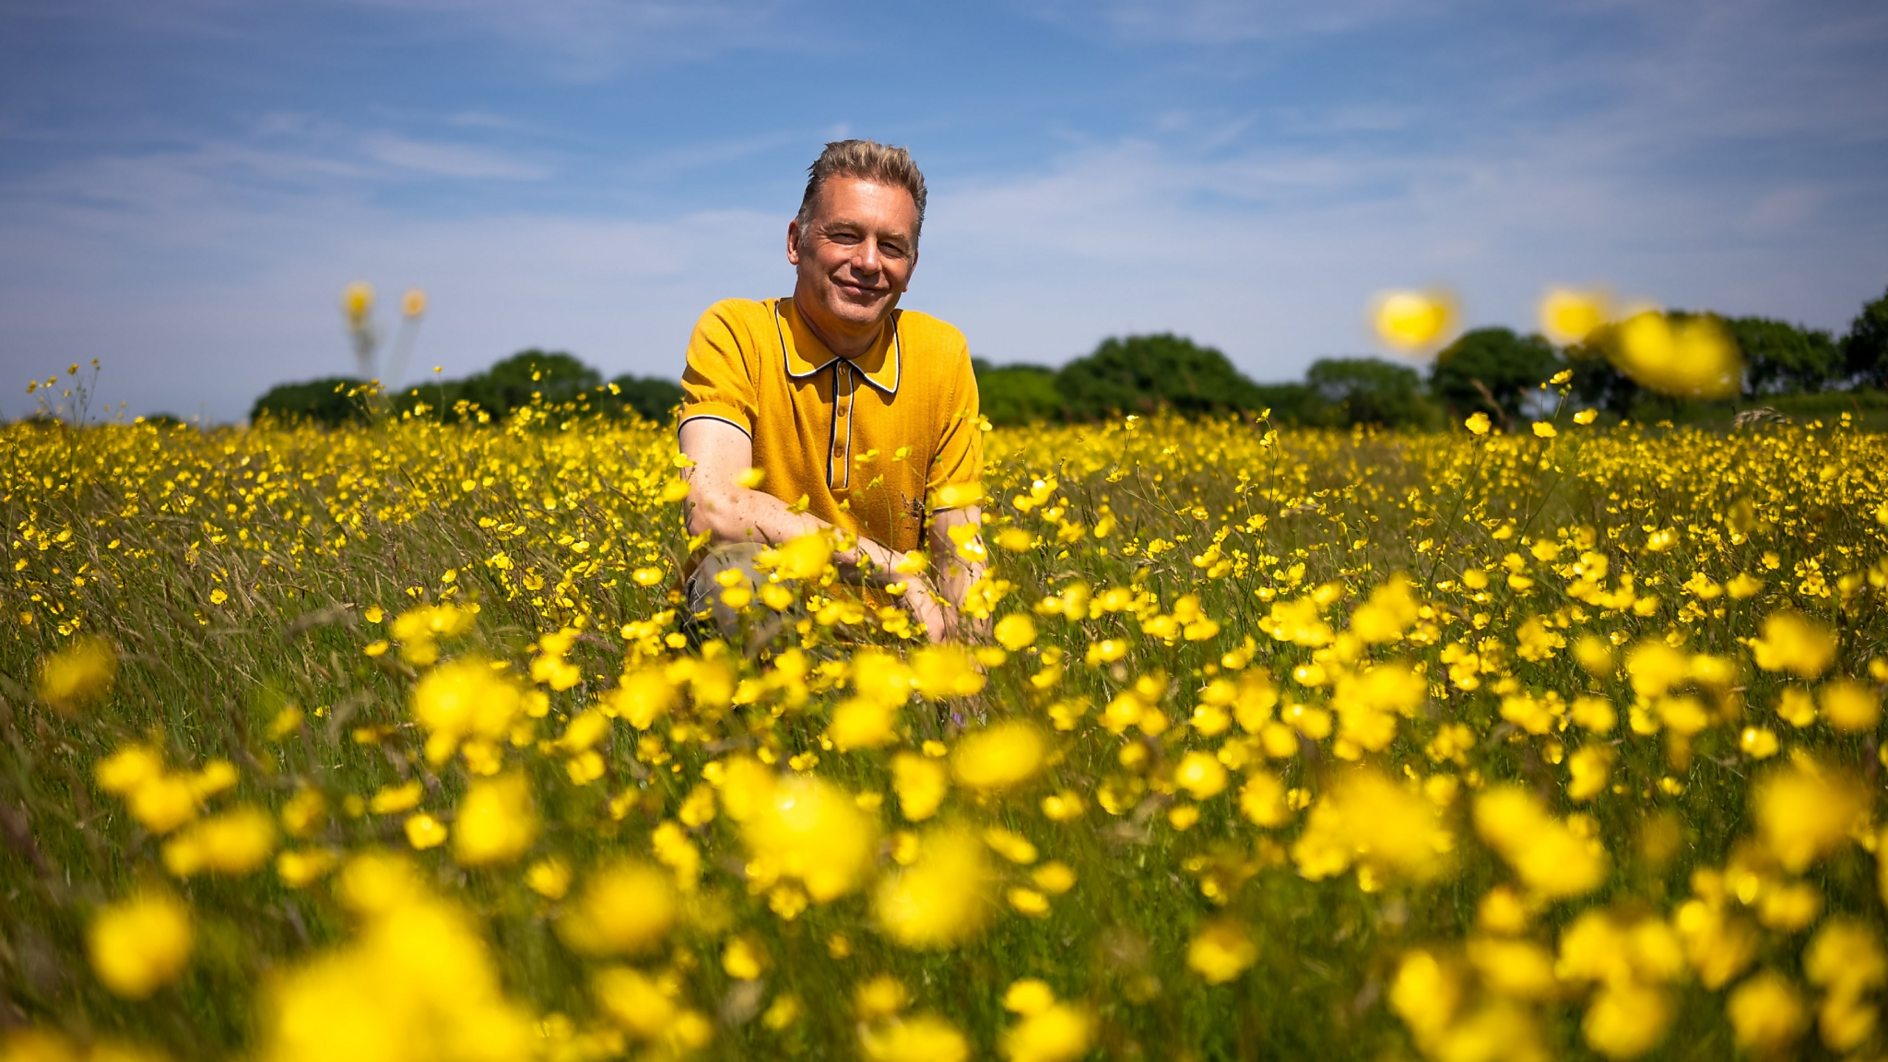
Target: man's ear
(793,242)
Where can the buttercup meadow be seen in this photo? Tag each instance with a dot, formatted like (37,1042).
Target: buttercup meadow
(387,742)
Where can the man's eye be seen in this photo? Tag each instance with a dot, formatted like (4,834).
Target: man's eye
(843,237)
(892,250)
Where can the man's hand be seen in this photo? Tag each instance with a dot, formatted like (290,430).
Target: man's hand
(920,599)
(959,567)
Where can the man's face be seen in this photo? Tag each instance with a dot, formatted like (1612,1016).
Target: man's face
(854,259)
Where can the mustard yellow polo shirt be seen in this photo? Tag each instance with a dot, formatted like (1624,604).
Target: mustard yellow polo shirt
(867,441)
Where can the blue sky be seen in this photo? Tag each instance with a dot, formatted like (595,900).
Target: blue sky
(186,187)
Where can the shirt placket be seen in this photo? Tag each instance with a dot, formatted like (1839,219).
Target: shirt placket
(839,451)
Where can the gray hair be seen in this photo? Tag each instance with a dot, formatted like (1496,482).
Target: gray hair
(865,159)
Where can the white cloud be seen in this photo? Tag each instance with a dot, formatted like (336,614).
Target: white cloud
(589,40)
(1221,22)
(440,159)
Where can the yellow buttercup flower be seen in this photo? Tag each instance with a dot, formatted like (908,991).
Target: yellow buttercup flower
(999,757)
(624,908)
(464,699)
(1055,1033)
(1796,643)
(921,784)
(357,301)
(1016,631)
(1413,320)
(1805,812)
(238,841)
(1569,316)
(1547,856)
(1221,950)
(78,675)
(944,897)
(1692,358)
(140,944)
(497,821)
(917,1038)
(808,831)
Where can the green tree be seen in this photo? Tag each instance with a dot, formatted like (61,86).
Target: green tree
(552,377)
(1596,382)
(1017,394)
(652,398)
(1865,348)
(1140,374)
(330,401)
(1494,371)
(1781,358)
(1295,403)
(1372,391)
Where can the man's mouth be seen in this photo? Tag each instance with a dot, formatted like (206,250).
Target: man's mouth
(859,292)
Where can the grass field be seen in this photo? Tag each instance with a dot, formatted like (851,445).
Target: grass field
(382,744)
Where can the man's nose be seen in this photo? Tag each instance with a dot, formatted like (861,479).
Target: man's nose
(865,258)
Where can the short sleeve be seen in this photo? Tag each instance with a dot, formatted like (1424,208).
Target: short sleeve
(716,382)
(956,478)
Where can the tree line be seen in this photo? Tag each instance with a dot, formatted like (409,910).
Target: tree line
(553,378)
(1491,370)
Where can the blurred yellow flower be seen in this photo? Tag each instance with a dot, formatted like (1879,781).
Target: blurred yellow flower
(1793,642)
(1850,706)
(944,897)
(424,831)
(1200,774)
(810,831)
(1766,1013)
(1845,957)
(464,699)
(1221,950)
(743,958)
(1028,995)
(998,757)
(417,982)
(237,841)
(413,303)
(943,671)
(1426,993)
(1549,858)
(641,1005)
(1691,358)
(140,944)
(1055,1033)
(921,784)
(624,908)
(1413,320)
(357,301)
(549,877)
(497,821)
(78,675)
(1805,812)
(1625,1020)
(1569,316)
(1371,820)
(1016,631)
(917,1038)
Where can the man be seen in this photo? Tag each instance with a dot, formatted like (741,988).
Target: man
(860,416)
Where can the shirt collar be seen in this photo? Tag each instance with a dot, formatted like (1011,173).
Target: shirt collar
(806,355)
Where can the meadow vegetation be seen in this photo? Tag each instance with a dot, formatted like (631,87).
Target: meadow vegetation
(385,743)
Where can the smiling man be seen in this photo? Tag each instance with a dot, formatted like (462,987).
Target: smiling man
(859,415)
